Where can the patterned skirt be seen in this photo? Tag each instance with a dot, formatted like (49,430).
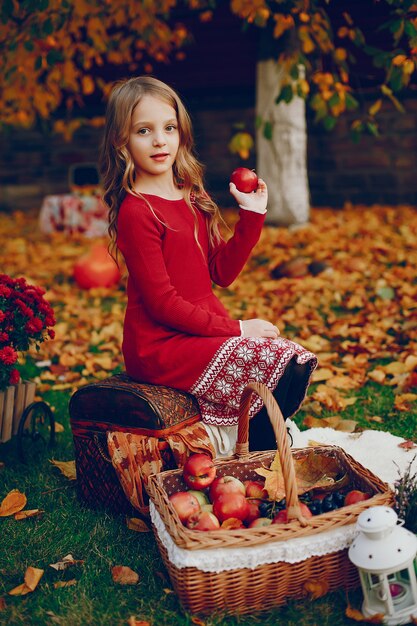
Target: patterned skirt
(241,360)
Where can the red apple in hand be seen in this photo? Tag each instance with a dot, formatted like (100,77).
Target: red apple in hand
(199,471)
(225,485)
(355,496)
(203,520)
(244,179)
(185,504)
(231,505)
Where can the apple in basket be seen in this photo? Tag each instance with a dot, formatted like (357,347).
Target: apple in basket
(282,516)
(260,522)
(202,520)
(185,504)
(225,485)
(254,511)
(255,489)
(231,505)
(245,180)
(355,496)
(199,471)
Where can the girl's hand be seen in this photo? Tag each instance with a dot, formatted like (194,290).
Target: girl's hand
(259,328)
(255,201)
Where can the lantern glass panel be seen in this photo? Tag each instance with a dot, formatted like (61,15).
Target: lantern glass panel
(400,590)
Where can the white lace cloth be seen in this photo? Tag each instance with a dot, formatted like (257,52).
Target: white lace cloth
(222,559)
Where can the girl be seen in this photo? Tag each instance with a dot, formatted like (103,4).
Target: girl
(176,331)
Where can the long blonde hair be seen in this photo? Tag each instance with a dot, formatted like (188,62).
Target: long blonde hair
(117,167)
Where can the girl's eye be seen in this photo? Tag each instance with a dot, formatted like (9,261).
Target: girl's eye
(143,131)
(171,127)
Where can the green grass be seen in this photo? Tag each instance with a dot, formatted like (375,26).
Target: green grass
(102,541)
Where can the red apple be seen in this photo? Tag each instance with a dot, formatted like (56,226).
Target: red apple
(199,471)
(203,520)
(185,504)
(224,485)
(260,522)
(231,505)
(244,179)
(282,516)
(254,512)
(355,496)
(255,489)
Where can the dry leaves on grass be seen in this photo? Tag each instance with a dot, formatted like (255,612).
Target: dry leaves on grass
(123,575)
(14,502)
(28,513)
(316,588)
(407,445)
(65,563)
(335,422)
(67,468)
(138,525)
(61,584)
(357,616)
(32,578)
(132,621)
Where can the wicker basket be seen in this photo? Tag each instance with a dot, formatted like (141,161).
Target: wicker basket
(251,589)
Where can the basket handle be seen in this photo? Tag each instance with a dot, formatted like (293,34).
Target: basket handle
(280,431)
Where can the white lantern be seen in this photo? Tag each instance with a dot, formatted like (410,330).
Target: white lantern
(384,553)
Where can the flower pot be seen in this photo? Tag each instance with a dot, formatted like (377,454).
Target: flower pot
(13,401)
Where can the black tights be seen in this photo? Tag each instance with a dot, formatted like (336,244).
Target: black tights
(261,434)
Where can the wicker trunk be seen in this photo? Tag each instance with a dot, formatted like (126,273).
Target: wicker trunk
(13,401)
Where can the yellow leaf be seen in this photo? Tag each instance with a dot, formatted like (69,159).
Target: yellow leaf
(14,502)
(134,523)
(322,373)
(67,468)
(123,575)
(375,108)
(132,621)
(32,578)
(316,588)
(65,583)
(377,375)
(28,513)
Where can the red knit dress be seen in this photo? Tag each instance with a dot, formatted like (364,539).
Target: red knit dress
(176,331)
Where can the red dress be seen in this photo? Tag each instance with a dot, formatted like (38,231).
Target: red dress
(176,331)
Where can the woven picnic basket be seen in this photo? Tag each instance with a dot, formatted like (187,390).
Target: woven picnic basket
(260,587)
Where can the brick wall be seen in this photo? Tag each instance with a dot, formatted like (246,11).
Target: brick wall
(381,170)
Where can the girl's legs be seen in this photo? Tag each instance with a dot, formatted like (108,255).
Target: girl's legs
(261,434)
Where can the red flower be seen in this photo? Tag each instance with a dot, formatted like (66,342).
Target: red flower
(51,333)
(34,325)
(4,337)
(14,377)
(5,292)
(2,316)
(8,356)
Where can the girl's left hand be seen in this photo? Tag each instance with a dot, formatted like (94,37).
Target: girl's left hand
(255,201)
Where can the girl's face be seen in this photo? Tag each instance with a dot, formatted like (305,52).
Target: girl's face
(154,137)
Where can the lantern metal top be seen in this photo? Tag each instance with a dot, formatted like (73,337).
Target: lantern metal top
(382,545)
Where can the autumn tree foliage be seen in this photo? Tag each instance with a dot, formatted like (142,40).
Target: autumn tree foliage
(57,53)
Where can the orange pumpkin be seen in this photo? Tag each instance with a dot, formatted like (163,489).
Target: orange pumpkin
(96,269)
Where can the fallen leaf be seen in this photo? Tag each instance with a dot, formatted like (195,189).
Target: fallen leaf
(67,468)
(394,368)
(14,502)
(167,590)
(66,562)
(335,422)
(377,375)
(65,583)
(59,427)
(32,578)
(376,418)
(132,621)
(134,523)
(123,575)
(322,373)
(197,621)
(316,588)
(28,513)
(407,445)
(402,401)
